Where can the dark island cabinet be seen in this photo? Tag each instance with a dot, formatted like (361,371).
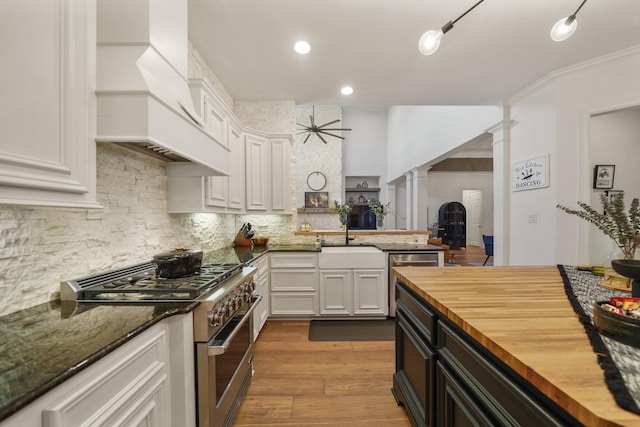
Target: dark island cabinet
(445,378)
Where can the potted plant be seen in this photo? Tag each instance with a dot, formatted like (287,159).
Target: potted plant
(615,222)
(379,210)
(343,211)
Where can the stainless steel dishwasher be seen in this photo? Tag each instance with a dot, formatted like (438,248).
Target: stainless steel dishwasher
(409,259)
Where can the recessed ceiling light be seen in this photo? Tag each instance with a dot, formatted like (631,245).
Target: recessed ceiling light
(302,47)
(347,90)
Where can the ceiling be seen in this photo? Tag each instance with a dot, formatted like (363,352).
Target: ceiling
(496,50)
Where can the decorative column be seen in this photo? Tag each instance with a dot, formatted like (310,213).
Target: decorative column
(420,193)
(501,187)
(390,219)
(409,181)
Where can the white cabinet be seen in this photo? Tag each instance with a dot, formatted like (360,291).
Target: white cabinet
(228,191)
(257,172)
(335,292)
(280,176)
(148,381)
(48,113)
(370,293)
(259,178)
(353,292)
(261,313)
(294,284)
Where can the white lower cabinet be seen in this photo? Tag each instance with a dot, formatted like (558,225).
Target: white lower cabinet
(335,292)
(353,292)
(148,381)
(294,284)
(370,293)
(261,313)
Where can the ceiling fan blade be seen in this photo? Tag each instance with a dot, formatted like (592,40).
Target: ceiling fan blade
(330,134)
(335,129)
(304,131)
(329,123)
(320,136)
(305,140)
(304,126)
(311,119)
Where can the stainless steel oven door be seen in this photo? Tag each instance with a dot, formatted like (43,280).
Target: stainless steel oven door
(224,368)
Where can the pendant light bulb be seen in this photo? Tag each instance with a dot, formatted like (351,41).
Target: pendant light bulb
(430,42)
(564,28)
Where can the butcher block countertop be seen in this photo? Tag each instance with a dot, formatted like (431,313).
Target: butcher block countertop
(523,316)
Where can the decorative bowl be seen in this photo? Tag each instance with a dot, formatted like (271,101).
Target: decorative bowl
(260,241)
(619,327)
(627,267)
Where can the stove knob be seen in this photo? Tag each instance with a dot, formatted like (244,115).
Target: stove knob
(237,302)
(216,318)
(224,308)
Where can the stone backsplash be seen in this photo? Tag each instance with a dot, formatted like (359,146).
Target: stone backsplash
(39,247)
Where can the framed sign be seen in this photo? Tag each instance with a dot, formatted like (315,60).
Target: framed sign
(530,174)
(316,199)
(603,177)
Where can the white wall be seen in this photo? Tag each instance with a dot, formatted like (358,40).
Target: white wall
(553,116)
(364,151)
(447,187)
(530,242)
(614,139)
(420,135)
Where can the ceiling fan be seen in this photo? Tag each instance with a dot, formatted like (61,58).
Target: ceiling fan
(320,129)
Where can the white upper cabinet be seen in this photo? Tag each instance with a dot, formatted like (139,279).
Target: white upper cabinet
(257,164)
(48,108)
(259,177)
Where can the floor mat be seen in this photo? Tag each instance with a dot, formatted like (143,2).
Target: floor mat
(352,330)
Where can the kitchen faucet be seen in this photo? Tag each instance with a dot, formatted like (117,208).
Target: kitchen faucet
(346,236)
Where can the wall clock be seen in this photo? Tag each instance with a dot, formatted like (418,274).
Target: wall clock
(316,181)
(319,129)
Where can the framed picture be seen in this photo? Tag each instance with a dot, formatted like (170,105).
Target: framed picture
(603,177)
(530,174)
(316,199)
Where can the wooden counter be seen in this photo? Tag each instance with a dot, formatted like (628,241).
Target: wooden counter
(523,316)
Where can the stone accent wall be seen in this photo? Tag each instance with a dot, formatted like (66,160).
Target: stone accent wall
(315,155)
(39,247)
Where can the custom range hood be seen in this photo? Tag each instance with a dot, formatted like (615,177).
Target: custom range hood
(143,98)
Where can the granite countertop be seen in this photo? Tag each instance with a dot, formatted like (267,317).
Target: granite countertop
(44,345)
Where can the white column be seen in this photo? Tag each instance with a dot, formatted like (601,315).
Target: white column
(409,180)
(420,196)
(390,220)
(501,188)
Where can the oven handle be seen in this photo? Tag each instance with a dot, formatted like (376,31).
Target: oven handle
(413,263)
(216,350)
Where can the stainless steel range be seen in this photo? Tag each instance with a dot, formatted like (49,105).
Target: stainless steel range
(222,323)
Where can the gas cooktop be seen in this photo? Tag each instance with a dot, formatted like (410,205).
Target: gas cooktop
(139,283)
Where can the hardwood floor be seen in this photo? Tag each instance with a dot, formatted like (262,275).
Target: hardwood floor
(470,254)
(298,382)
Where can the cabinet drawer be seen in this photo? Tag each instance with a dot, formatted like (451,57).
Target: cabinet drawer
(295,260)
(262,264)
(422,317)
(294,280)
(294,303)
(494,387)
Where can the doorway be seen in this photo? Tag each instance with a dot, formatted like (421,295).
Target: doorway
(472,201)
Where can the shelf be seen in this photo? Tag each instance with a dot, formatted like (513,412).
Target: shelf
(362,190)
(317,211)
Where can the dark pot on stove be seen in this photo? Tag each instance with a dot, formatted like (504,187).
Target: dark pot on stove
(178,263)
